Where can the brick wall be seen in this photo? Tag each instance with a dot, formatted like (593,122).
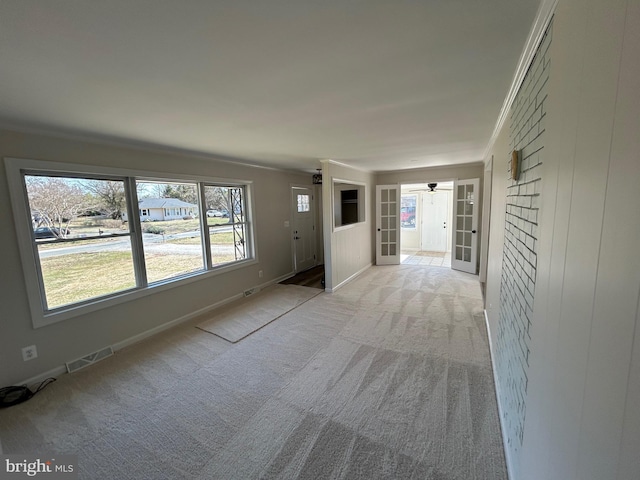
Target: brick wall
(517,287)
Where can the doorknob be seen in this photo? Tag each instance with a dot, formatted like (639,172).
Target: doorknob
(378,229)
(473,231)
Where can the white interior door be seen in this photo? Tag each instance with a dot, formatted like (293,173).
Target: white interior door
(434,221)
(465,223)
(303,229)
(387,224)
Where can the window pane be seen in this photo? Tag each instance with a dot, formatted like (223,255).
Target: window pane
(170,229)
(468,221)
(468,208)
(408,211)
(83,244)
(303,203)
(223,246)
(75,272)
(228,234)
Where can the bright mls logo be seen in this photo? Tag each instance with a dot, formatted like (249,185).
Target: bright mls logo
(52,467)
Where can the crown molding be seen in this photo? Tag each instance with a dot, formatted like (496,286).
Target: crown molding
(538,29)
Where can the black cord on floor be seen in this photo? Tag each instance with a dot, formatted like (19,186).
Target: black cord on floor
(44,384)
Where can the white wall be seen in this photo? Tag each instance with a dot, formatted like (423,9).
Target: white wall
(431,174)
(79,336)
(582,418)
(350,249)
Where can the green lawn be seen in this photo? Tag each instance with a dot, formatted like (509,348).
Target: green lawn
(82,276)
(72,278)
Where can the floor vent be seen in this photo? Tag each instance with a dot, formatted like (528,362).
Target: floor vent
(251,291)
(89,359)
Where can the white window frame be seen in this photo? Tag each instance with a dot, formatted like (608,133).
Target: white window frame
(16,167)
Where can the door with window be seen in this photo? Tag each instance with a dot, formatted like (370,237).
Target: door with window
(465,224)
(387,224)
(303,228)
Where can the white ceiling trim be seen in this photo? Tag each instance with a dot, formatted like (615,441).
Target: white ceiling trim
(540,24)
(342,164)
(140,145)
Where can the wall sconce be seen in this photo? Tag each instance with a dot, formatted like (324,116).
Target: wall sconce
(516,156)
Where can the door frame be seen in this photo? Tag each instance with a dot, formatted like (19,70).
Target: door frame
(450,207)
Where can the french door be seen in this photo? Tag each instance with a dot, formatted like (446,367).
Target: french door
(465,223)
(387,224)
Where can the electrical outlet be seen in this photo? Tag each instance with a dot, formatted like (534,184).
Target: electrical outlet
(260,273)
(29,353)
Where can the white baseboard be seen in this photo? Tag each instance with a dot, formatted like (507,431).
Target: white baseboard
(62,369)
(344,282)
(165,326)
(503,429)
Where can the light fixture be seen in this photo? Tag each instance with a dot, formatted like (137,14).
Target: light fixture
(317,177)
(514,171)
(432,187)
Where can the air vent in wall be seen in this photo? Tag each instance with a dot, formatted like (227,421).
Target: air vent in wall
(251,291)
(89,359)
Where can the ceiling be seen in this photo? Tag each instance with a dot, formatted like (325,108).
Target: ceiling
(378,85)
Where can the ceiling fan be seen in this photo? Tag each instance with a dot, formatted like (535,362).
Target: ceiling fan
(431,188)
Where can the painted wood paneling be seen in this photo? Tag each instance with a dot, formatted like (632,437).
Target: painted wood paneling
(582,417)
(618,280)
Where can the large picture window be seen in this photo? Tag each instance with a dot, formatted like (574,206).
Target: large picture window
(83,247)
(90,239)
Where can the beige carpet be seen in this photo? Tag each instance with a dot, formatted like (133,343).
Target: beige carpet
(241,318)
(388,378)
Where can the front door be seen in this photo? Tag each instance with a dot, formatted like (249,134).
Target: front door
(465,224)
(303,228)
(435,210)
(388,225)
